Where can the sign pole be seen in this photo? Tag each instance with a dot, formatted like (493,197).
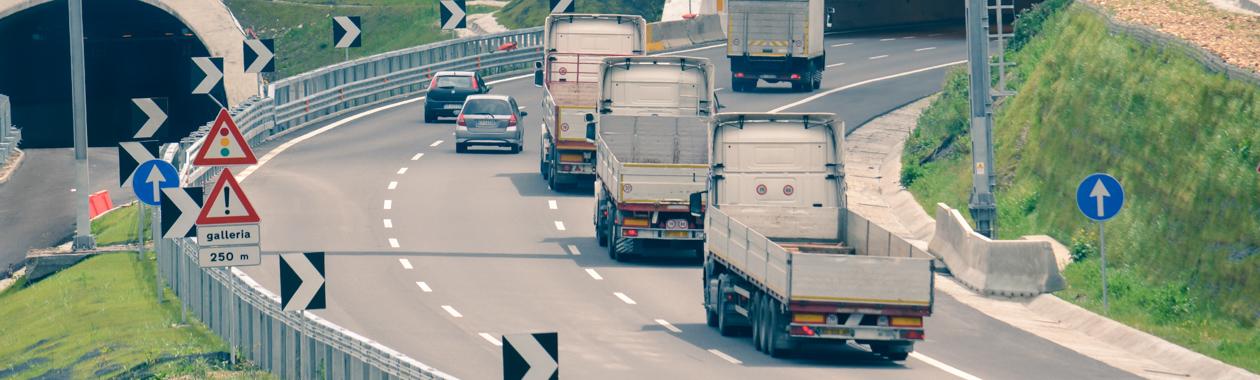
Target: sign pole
(232,313)
(156,226)
(1102,254)
(83,223)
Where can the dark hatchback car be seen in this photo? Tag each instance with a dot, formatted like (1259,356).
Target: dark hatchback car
(447,92)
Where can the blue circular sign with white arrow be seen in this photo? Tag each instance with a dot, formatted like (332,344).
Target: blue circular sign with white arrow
(1100,197)
(150,178)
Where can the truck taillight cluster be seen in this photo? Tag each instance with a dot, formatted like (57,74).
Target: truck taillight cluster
(739,75)
(629,232)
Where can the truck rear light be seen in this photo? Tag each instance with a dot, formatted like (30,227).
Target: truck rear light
(739,75)
(566,168)
(802,330)
(795,76)
(907,321)
(808,318)
(912,334)
(630,232)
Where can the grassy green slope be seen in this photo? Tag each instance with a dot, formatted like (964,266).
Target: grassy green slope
(526,13)
(1184,253)
(303,28)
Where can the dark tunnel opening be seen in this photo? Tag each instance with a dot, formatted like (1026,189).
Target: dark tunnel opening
(132,50)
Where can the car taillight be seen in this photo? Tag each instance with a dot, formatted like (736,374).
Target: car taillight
(907,321)
(912,334)
(474,82)
(512,121)
(432,83)
(739,75)
(796,76)
(629,232)
(460,121)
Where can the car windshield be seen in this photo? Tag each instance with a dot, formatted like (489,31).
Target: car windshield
(487,106)
(455,81)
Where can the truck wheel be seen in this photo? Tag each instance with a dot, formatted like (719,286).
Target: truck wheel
(601,230)
(613,251)
(817,79)
(725,327)
(777,331)
(756,315)
(542,163)
(711,318)
(551,179)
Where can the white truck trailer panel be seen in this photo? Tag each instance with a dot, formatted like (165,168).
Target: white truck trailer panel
(775,28)
(652,159)
(576,45)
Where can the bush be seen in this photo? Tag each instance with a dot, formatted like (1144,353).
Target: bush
(1030,22)
(909,173)
(1082,248)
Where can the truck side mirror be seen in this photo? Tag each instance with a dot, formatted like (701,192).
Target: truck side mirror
(696,205)
(538,74)
(590,127)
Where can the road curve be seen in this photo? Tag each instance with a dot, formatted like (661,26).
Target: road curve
(438,254)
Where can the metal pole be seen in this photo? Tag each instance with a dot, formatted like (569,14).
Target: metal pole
(78,89)
(1102,254)
(232,313)
(155,228)
(982,204)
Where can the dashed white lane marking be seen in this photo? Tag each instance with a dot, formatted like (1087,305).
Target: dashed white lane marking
(436,143)
(394,243)
(859,84)
(934,34)
(424,287)
(887,39)
(491,339)
(719,89)
(405,263)
(573,249)
(724,356)
(389,223)
(552,204)
(417,156)
(389,204)
(908,38)
(450,310)
(624,298)
(392,185)
(835,65)
(402,170)
(925,49)
(878,57)
(842,45)
(668,326)
(559,225)
(594,274)
(943,366)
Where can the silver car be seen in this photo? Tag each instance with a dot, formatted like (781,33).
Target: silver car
(493,120)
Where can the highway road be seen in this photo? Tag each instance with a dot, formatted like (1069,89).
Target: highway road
(437,254)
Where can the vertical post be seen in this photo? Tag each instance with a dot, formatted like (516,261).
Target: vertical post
(155,227)
(982,204)
(1102,255)
(232,313)
(78,88)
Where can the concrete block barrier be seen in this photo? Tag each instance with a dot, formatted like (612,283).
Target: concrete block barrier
(670,35)
(994,267)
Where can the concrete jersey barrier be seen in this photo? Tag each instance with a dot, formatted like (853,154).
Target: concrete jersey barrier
(993,267)
(669,35)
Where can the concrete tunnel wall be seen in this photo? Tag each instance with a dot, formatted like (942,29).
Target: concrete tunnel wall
(863,14)
(213,31)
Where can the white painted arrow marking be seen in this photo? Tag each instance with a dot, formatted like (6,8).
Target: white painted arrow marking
(457,15)
(352,31)
(213,75)
(1100,194)
(155,114)
(264,56)
(311,281)
(188,212)
(541,365)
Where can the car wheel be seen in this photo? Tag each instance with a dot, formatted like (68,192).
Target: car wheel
(429,117)
(461,148)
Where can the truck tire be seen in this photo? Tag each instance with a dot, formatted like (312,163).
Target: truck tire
(543,168)
(758,315)
(776,332)
(710,317)
(724,325)
(817,79)
(614,252)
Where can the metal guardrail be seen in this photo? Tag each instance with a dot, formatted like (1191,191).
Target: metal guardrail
(10,136)
(302,345)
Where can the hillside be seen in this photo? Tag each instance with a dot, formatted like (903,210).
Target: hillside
(526,13)
(1184,253)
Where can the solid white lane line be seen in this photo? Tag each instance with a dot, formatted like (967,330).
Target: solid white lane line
(691,50)
(594,274)
(878,57)
(402,170)
(394,243)
(491,339)
(417,156)
(392,185)
(925,49)
(624,298)
(436,143)
(389,223)
(719,89)
(573,249)
(450,310)
(724,356)
(859,84)
(908,38)
(559,225)
(934,34)
(888,39)
(842,45)
(405,263)
(943,366)
(424,287)
(389,204)
(552,204)
(669,326)
(835,65)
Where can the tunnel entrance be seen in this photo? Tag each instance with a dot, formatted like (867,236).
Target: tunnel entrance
(132,50)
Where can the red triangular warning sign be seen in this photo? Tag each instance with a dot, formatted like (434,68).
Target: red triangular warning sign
(227,203)
(224,145)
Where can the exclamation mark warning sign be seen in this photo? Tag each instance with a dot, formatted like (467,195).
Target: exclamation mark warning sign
(227,204)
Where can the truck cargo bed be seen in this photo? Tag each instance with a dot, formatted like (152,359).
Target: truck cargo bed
(652,159)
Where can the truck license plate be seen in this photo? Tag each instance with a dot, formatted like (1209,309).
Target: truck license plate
(835,331)
(677,234)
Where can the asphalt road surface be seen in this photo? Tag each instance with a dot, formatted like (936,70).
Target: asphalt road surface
(438,254)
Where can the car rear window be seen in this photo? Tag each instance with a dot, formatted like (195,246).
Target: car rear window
(484,106)
(455,81)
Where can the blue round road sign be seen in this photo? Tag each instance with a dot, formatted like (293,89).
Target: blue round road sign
(1100,197)
(150,178)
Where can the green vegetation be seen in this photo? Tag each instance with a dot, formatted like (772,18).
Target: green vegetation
(119,226)
(526,13)
(478,8)
(1183,255)
(99,319)
(303,28)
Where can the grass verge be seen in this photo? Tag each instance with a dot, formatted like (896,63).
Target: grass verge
(119,226)
(527,13)
(1183,254)
(99,319)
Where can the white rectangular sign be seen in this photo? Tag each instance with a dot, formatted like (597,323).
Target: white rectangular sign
(234,256)
(227,234)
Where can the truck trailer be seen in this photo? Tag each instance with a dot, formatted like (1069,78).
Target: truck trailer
(776,41)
